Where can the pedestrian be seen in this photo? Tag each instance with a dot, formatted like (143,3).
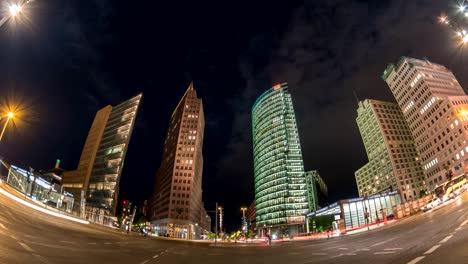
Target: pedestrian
(268,238)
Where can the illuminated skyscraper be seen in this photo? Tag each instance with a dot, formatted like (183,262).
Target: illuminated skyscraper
(281,195)
(176,207)
(393,160)
(100,167)
(435,107)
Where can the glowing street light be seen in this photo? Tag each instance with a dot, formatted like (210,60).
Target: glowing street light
(10,115)
(15,9)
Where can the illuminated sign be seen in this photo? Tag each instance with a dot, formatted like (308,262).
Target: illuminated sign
(277,86)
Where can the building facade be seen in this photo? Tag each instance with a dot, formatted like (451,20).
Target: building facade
(281,195)
(317,187)
(435,107)
(394,163)
(176,203)
(100,167)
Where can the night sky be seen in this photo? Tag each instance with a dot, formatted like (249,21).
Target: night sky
(71,58)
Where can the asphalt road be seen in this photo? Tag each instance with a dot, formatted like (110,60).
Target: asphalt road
(29,236)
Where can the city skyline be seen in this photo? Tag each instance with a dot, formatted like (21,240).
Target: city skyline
(95,67)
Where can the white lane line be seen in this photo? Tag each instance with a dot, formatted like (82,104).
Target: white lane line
(416,260)
(319,254)
(464,223)
(363,249)
(107,243)
(67,242)
(383,242)
(446,239)
(384,252)
(26,247)
(92,243)
(343,248)
(43,260)
(155,256)
(458,228)
(432,249)
(350,254)
(144,262)
(2,226)
(392,249)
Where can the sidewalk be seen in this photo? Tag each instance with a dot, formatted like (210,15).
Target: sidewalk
(19,197)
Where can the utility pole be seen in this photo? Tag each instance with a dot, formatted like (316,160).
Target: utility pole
(216,225)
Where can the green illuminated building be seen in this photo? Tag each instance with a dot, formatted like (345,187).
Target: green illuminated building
(281,195)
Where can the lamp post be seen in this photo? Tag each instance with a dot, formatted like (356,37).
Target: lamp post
(244,222)
(9,116)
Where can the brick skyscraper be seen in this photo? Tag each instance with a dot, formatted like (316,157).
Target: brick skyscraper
(176,207)
(435,108)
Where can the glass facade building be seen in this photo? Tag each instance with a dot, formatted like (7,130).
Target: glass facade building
(281,195)
(103,188)
(41,188)
(352,212)
(100,167)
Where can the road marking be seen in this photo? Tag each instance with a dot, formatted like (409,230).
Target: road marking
(155,256)
(293,253)
(144,262)
(26,247)
(2,226)
(343,248)
(458,228)
(383,242)
(67,242)
(464,223)
(12,236)
(107,243)
(432,249)
(92,243)
(416,260)
(319,254)
(393,249)
(350,254)
(43,260)
(384,252)
(446,239)
(363,249)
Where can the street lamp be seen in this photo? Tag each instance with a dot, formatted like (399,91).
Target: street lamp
(244,222)
(10,115)
(15,9)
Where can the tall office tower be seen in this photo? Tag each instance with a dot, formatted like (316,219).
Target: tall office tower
(393,160)
(281,195)
(317,187)
(176,203)
(435,108)
(100,167)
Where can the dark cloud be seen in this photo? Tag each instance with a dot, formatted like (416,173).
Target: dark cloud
(329,49)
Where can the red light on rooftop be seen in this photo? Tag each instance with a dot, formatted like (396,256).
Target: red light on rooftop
(277,86)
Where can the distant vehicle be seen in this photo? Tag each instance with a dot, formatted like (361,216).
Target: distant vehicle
(451,188)
(432,204)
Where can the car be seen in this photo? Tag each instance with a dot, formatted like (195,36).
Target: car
(431,204)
